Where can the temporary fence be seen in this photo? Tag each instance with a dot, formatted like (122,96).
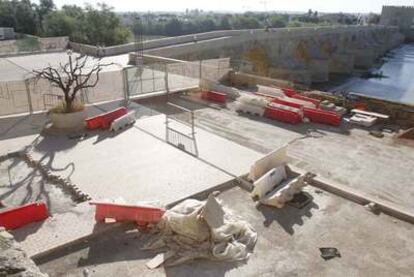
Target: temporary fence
(30,95)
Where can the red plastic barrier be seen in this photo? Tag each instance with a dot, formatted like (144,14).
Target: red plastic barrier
(94,123)
(320,116)
(214,96)
(141,215)
(305,98)
(287,103)
(23,215)
(104,120)
(107,118)
(289,91)
(283,115)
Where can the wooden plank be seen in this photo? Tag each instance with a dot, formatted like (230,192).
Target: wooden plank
(378,115)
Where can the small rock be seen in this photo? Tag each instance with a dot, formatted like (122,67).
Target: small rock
(372,207)
(86,273)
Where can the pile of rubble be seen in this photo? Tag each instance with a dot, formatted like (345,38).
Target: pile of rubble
(13,260)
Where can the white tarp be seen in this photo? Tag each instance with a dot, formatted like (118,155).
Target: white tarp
(203,229)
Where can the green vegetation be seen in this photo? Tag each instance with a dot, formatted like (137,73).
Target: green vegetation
(174,24)
(27,44)
(96,26)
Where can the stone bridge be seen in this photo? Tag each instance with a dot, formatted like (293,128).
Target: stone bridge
(302,55)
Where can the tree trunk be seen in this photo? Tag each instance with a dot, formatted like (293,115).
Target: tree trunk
(68,102)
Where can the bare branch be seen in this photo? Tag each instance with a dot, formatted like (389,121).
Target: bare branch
(72,76)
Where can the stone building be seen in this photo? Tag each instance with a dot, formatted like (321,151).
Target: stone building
(401,16)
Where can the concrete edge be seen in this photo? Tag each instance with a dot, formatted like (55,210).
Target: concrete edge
(43,256)
(333,187)
(360,197)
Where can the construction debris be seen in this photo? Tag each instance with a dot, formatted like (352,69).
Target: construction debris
(13,260)
(272,185)
(285,191)
(377,134)
(328,253)
(202,229)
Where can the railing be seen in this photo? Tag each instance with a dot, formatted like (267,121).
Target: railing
(177,138)
(51,100)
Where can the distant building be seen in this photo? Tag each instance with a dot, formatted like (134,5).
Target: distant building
(6,33)
(401,16)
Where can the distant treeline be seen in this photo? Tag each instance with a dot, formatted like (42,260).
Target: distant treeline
(172,24)
(102,26)
(97,26)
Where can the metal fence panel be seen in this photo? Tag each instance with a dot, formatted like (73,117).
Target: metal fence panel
(13,98)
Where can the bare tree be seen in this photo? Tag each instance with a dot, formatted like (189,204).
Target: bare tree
(72,77)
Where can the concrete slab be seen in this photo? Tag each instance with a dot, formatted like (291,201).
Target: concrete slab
(21,184)
(219,152)
(348,155)
(288,245)
(138,164)
(60,230)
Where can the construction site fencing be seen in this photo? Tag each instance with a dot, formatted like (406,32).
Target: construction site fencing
(34,95)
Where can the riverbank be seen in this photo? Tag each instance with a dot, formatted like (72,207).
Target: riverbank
(396,84)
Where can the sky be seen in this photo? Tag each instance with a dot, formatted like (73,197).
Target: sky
(355,6)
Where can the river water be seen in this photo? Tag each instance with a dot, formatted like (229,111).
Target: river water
(398,82)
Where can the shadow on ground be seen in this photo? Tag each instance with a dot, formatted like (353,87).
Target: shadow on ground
(287,217)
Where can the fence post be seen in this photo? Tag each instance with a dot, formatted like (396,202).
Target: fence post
(125,86)
(167,88)
(200,70)
(29,97)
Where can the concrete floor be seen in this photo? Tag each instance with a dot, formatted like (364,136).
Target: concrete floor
(346,154)
(288,245)
(20,184)
(138,164)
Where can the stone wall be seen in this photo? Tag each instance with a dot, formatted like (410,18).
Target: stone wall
(245,79)
(401,16)
(32,45)
(151,44)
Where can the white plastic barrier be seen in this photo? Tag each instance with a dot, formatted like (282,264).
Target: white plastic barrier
(123,121)
(269,181)
(284,193)
(251,104)
(272,160)
(275,92)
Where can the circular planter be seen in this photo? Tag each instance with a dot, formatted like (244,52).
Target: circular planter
(74,120)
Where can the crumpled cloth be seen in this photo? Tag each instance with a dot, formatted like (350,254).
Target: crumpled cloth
(203,229)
